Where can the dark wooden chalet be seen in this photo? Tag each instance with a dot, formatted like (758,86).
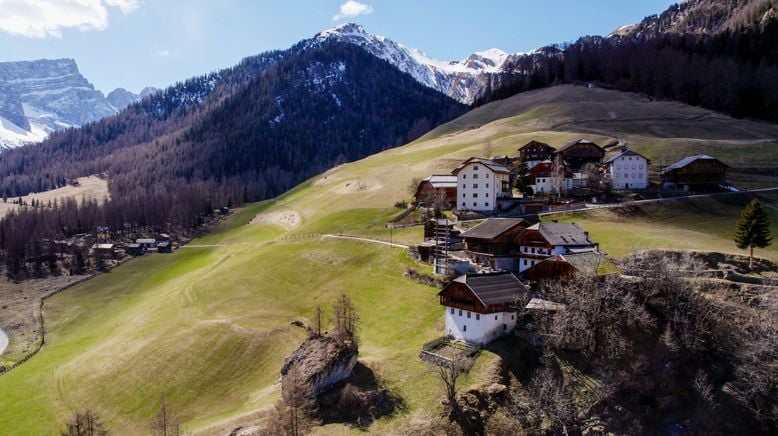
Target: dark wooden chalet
(164,247)
(484,293)
(103,250)
(436,187)
(579,153)
(535,151)
(696,173)
(136,249)
(492,243)
(564,265)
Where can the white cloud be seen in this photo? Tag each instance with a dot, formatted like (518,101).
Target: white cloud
(44,18)
(162,53)
(352,8)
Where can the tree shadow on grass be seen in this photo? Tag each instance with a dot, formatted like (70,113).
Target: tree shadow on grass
(359,400)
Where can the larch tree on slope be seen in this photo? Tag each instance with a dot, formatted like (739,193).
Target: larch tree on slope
(753,229)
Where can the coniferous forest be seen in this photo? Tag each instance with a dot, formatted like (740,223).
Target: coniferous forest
(735,72)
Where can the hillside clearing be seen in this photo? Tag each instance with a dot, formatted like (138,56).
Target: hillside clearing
(89,188)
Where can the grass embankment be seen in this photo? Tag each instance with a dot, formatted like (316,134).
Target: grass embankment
(209,327)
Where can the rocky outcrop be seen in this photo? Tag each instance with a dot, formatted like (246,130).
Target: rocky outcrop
(318,364)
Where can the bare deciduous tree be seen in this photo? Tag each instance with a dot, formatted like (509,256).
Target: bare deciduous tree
(552,397)
(488,149)
(165,424)
(449,372)
(292,415)
(346,319)
(85,423)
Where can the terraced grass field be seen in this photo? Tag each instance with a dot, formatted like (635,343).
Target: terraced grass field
(209,326)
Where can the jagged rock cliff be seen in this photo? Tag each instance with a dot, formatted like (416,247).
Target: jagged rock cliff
(42,96)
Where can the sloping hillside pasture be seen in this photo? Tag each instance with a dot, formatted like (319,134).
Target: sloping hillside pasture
(209,327)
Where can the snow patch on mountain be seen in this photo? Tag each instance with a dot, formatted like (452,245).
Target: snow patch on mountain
(461,80)
(42,96)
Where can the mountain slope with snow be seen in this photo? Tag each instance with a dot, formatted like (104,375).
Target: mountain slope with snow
(42,96)
(462,80)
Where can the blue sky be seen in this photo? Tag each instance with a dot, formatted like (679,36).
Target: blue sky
(137,43)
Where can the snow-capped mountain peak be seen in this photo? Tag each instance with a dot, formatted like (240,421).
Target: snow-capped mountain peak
(462,79)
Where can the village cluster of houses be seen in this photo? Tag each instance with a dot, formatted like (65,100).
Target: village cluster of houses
(486,185)
(141,246)
(494,259)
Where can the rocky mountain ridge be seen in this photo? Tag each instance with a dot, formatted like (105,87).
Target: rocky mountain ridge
(463,80)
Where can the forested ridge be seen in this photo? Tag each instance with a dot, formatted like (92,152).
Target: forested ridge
(731,71)
(240,135)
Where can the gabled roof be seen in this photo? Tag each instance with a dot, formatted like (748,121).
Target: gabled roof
(544,169)
(497,168)
(688,160)
(576,142)
(544,305)
(493,227)
(626,152)
(533,142)
(563,234)
(442,181)
(493,288)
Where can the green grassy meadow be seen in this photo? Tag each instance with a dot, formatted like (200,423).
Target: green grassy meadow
(209,327)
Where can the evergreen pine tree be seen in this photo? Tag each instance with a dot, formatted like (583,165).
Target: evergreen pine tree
(520,173)
(753,229)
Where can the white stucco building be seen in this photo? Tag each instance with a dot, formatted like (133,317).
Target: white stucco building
(543,240)
(480,182)
(479,308)
(628,170)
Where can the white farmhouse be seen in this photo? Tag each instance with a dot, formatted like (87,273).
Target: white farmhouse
(543,240)
(481,307)
(628,170)
(480,183)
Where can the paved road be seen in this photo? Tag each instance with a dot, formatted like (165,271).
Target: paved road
(374,241)
(3,341)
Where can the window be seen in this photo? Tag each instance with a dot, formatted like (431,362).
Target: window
(464,196)
(463,203)
(477,316)
(525,262)
(487,195)
(487,203)
(532,250)
(460,312)
(475,176)
(640,175)
(464,176)
(487,175)
(487,185)
(641,166)
(464,328)
(475,185)
(512,317)
(452,310)
(468,314)
(475,167)
(475,204)
(464,186)
(475,195)
(495,317)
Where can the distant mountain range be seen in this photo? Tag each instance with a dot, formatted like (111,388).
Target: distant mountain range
(43,96)
(462,80)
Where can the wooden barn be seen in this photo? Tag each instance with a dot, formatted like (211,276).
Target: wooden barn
(492,243)
(563,265)
(436,187)
(535,152)
(579,153)
(696,173)
(481,307)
